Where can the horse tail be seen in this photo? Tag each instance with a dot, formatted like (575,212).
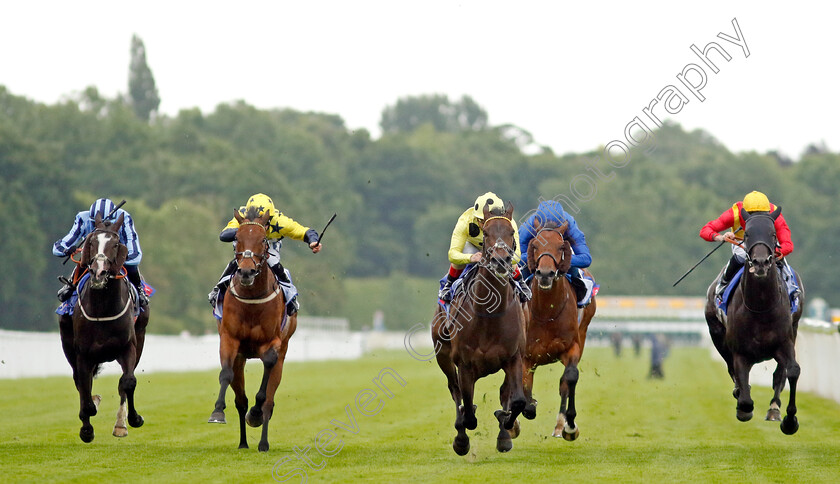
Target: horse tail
(96,370)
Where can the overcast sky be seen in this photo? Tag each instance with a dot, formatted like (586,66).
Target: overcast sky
(572,75)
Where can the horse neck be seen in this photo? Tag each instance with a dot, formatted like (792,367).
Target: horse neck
(263,283)
(549,305)
(761,293)
(489,294)
(107,301)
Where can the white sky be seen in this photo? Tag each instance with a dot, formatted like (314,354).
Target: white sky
(572,75)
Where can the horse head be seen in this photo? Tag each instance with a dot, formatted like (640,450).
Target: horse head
(499,240)
(760,240)
(251,245)
(102,252)
(549,254)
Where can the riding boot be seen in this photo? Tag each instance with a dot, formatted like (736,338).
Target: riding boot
(728,273)
(133,273)
(579,286)
(445,291)
(280,272)
(524,290)
(69,288)
(214,294)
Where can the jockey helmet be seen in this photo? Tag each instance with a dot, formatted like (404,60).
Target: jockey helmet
(488,198)
(261,202)
(756,202)
(103,205)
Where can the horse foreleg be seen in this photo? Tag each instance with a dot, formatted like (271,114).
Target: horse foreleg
(528,370)
(87,406)
(240,399)
(744,409)
(228,348)
(774,413)
(565,425)
(790,424)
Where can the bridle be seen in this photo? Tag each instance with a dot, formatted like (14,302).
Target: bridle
(499,245)
(770,246)
(556,272)
(249,254)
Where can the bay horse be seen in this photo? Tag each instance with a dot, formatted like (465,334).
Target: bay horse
(252,326)
(103,328)
(758,325)
(556,328)
(484,332)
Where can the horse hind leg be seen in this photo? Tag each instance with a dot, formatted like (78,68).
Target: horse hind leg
(530,410)
(774,413)
(744,408)
(240,398)
(273,373)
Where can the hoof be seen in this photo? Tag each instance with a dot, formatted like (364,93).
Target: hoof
(263,447)
(789,425)
(86,434)
(217,417)
(774,415)
(514,432)
(461,445)
(530,411)
(243,446)
(503,442)
(254,419)
(571,434)
(136,421)
(743,416)
(120,432)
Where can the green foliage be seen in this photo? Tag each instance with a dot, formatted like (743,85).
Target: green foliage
(142,90)
(397,200)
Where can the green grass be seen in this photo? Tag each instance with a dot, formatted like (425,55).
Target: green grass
(680,429)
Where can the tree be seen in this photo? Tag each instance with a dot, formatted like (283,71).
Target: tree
(412,112)
(141,83)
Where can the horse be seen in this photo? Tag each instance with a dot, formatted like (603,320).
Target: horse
(759,324)
(252,326)
(556,328)
(484,332)
(103,328)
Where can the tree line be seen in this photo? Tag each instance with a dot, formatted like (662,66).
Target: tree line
(397,197)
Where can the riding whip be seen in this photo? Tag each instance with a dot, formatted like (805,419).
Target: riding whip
(697,264)
(106,218)
(321,236)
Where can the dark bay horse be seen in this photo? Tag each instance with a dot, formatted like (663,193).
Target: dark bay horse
(102,327)
(759,324)
(252,327)
(483,333)
(556,328)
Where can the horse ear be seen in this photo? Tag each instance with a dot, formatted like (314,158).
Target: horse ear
(116,225)
(509,211)
(744,215)
(776,212)
(98,219)
(486,211)
(265,218)
(122,254)
(239,218)
(537,225)
(562,229)
(85,260)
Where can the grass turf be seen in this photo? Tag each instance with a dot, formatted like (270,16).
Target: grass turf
(633,429)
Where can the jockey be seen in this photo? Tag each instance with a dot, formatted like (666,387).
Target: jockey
(731,218)
(84,225)
(552,211)
(467,240)
(279,226)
